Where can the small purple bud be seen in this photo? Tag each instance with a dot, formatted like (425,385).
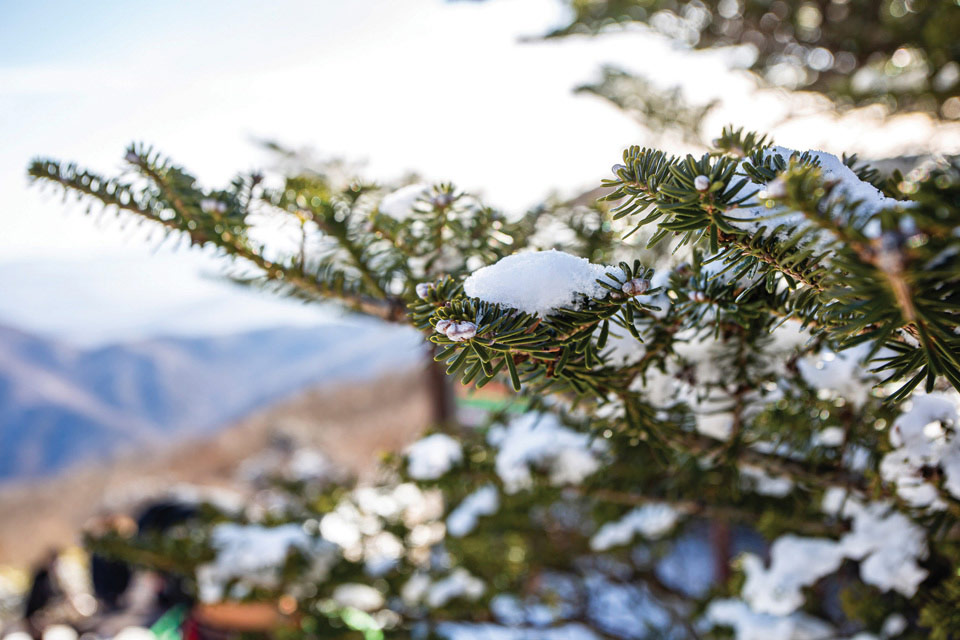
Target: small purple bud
(635,287)
(443,326)
(461,331)
(423,290)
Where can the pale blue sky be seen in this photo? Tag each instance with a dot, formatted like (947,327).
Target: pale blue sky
(441,88)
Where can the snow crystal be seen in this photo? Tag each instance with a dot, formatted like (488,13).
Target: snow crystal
(921,441)
(358,596)
(537,282)
(431,457)
(765,484)
(652,521)
(795,563)
(459,584)
(399,204)
(540,440)
(750,625)
(483,502)
(254,554)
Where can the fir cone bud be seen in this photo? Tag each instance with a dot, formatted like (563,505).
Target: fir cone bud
(132,157)
(442,200)
(423,290)
(635,287)
(701,183)
(443,326)
(461,331)
(698,296)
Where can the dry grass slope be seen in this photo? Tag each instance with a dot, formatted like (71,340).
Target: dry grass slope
(350,424)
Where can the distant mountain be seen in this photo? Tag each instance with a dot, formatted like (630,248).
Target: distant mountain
(60,405)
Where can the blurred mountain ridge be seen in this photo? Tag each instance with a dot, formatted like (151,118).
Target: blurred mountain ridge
(61,405)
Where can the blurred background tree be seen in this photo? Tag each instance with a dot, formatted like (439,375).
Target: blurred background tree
(903,54)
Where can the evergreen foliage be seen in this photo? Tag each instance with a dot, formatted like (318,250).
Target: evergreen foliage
(775,353)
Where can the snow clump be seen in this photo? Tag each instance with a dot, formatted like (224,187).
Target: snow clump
(886,543)
(431,457)
(538,282)
(459,584)
(652,521)
(539,440)
(254,554)
(848,187)
(750,625)
(924,436)
(399,204)
(483,502)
